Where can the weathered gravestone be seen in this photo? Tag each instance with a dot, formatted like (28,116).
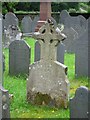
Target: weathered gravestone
(10,19)
(47,82)
(79,104)
(5,103)
(19,57)
(10,34)
(26,24)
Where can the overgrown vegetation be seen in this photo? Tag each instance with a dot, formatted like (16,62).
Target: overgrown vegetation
(20,108)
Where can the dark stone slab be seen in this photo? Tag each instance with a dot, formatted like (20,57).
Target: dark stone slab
(5,103)
(79,104)
(19,57)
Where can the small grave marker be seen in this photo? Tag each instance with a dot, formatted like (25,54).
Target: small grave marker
(19,57)
(79,104)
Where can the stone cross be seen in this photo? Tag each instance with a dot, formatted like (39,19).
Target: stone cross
(48,38)
(47,77)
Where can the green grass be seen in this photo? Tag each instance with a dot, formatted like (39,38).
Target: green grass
(20,108)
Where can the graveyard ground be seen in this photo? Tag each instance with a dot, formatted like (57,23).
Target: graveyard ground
(19,108)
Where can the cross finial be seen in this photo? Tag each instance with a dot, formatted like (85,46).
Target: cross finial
(49,36)
(48,33)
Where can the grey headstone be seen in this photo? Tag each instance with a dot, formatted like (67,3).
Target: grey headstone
(34,23)
(10,19)
(19,57)
(78,23)
(26,24)
(63,15)
(5,103)
(60,53)
(79,104)
(37,51)
(10,34)
(81,55)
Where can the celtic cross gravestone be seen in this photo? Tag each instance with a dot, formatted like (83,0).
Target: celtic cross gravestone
(47,77)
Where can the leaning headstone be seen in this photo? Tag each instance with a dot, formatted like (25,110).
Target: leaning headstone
(37,51)
(5,103)
(26,24)
(10,19)
(19,57)
(60,53)
(47,83)
(79,104)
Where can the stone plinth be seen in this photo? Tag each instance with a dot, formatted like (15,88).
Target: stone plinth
(47,83)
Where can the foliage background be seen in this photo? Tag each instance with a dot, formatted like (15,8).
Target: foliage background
(72,7)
